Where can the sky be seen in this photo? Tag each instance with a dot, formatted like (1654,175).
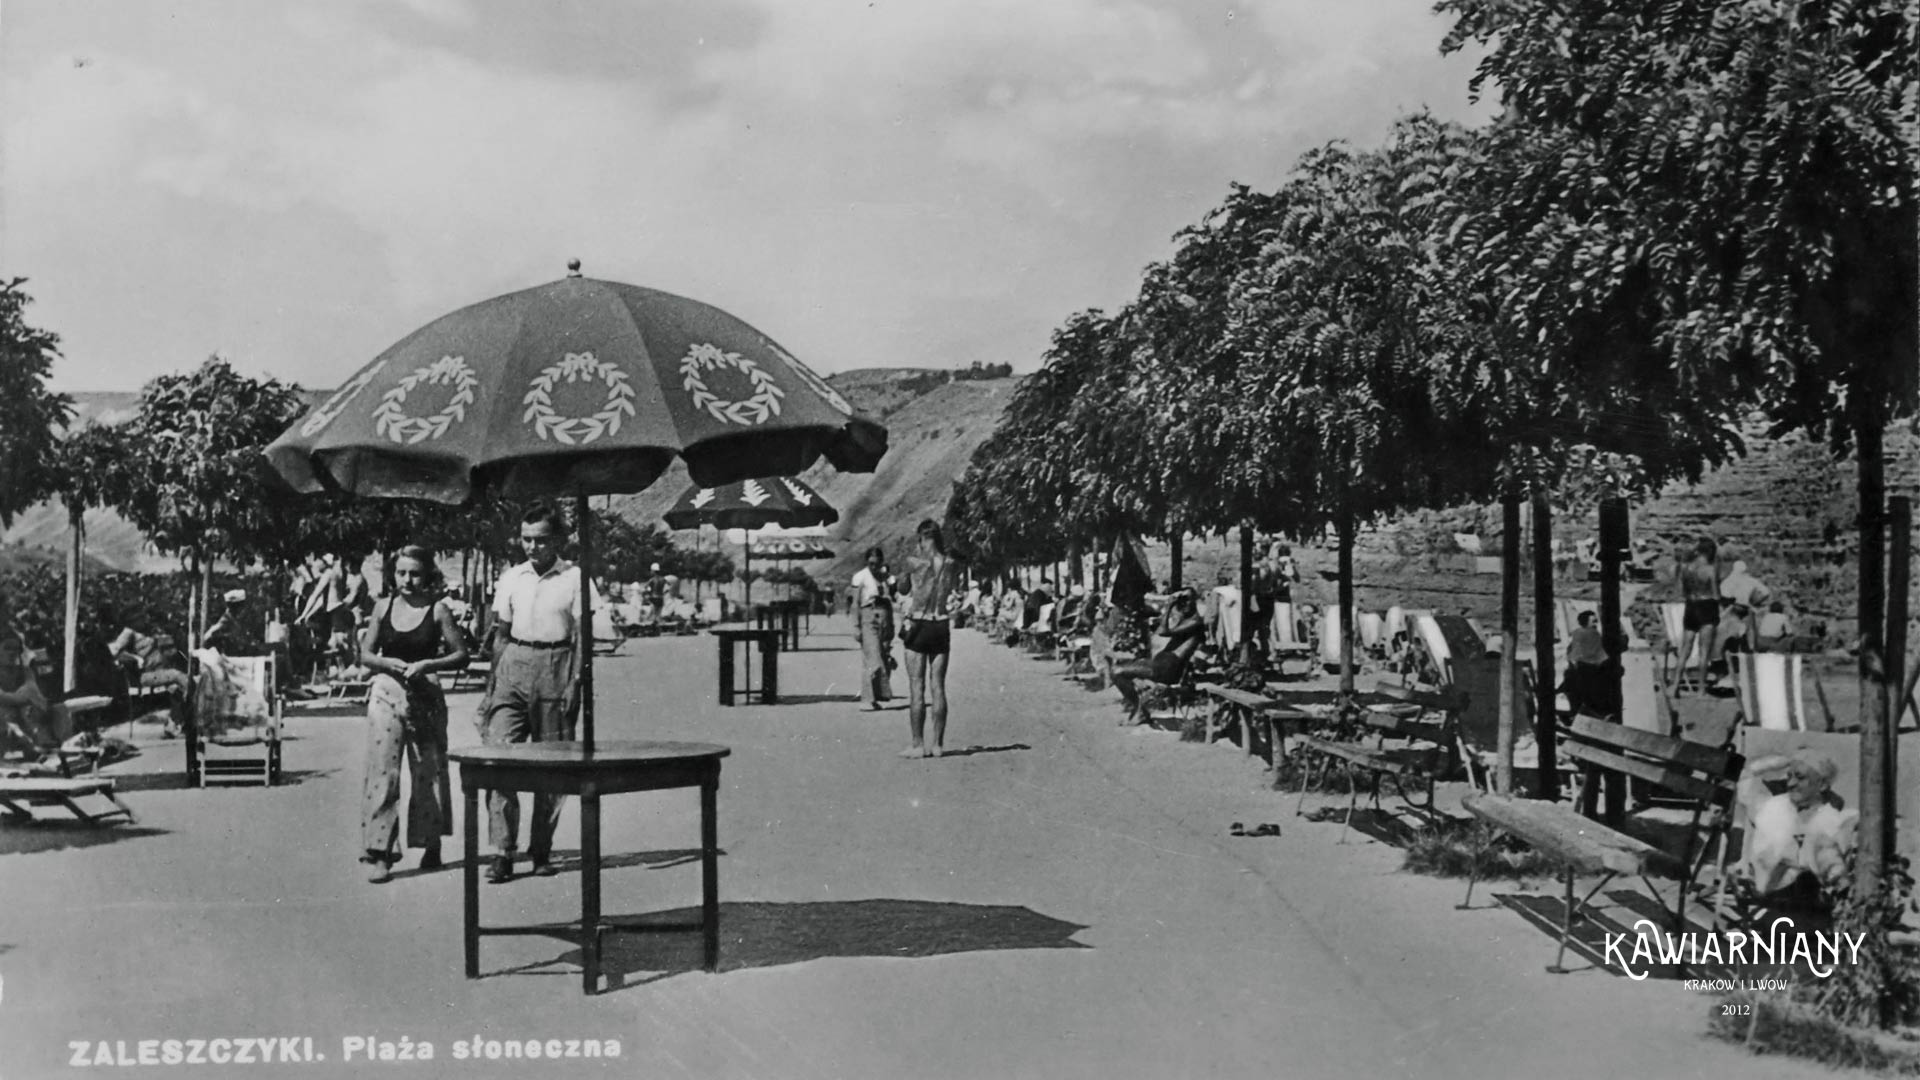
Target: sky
(298,185)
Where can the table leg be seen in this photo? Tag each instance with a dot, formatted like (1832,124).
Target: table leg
(770,675)
(710,869)
(726,671)
(590,891)
(470,878)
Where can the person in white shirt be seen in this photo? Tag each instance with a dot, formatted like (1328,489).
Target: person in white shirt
(873,627)
(535,692)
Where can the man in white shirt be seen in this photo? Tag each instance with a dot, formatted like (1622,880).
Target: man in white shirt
(535,693)
(873,628)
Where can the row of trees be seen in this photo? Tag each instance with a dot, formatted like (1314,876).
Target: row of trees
(1686,211)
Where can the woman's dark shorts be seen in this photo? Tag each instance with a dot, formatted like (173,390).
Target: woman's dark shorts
(1700,614)
(929,637)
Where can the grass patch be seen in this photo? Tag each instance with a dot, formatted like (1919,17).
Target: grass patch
(1776,1025)
(1460,848)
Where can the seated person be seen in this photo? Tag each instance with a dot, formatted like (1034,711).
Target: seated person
(25,718)
(1800,837)
(1587,662)
(1184,630)
(1773,629)
(152,662)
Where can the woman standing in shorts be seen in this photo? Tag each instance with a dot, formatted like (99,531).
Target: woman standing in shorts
(928,637)
(1700,621)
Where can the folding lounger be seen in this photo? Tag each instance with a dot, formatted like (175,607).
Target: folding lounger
(233,725)
(90,798)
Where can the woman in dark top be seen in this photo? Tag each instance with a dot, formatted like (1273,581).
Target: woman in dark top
(412,636)
(1184,631)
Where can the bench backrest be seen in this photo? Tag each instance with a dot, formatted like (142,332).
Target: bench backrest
(1702,774)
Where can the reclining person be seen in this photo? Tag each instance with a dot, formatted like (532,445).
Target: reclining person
(25,718)
(1184,629)
(152,662)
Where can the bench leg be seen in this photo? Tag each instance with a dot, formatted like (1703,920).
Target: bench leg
(1473,869)
(1299,807)
(1353,801)
(1566,929)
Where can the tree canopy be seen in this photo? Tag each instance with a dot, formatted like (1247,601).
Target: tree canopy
(31,415)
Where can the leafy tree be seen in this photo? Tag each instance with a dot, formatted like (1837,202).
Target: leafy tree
(193,483)
(30,414)
(1731,188)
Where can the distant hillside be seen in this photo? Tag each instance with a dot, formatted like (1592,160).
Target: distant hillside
(933,427)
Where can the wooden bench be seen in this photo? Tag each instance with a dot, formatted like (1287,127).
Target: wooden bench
(1703,776)
(1426,751)
(19,795)
(1251,711)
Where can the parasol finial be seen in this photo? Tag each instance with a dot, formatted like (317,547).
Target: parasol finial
(573,267)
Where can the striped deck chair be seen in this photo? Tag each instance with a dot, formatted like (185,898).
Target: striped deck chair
(234,720)
(1771,690)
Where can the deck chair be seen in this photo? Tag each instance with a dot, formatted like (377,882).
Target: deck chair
(1372,631)
(1286,642)
(1440,644)
(1227,613)
(1331,622)
(234,720)
(608,637)
(1771,690)
(1040,636)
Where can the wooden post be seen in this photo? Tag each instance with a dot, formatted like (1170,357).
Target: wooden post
(1899,580)
(1345,598)
(1246,592)
(77,526)
(1614,551)
(1509,638)
(585,630)
(1876,735)
(1545,720)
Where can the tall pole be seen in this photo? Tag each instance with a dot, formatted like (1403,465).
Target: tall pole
(1899,580)
(1615,548)
(585,630)
(1545,727)
(1509,638)
(1247,599)
(1179,544)
(1876,734)
(1345,598)
(77,525)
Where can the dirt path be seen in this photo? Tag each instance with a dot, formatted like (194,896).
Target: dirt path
(1063,900)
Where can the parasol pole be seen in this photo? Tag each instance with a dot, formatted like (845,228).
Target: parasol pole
(585,629)
(746,576)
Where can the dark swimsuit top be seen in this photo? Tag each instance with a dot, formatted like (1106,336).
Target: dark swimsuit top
(420,643)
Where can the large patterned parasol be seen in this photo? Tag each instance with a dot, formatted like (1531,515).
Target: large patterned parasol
(580,387)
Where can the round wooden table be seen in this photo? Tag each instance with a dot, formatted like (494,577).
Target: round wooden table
(611,768)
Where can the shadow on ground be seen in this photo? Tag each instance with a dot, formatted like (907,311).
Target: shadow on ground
(567,861)
(969,751)
(54,834)
(760,935)
(819,699)
(176,780)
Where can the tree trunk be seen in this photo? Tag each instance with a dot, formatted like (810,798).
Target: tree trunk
(585,644)
(1345,599)
(1247,599)
(1178,542)
(1545,678)
(1876,737)
(1899,580)
(1509,639)
(77,530)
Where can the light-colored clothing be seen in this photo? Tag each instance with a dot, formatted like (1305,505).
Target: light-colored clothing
(875,624)
(1783,841)
(540,607)
(867,588)
(29,713)
(410,720)
(527,702)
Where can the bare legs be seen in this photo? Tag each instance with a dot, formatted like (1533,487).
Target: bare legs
(926,693)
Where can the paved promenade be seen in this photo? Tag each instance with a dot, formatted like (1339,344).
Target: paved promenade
(1059,899)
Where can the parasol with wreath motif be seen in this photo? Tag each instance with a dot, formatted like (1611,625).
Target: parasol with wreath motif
(578,387)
